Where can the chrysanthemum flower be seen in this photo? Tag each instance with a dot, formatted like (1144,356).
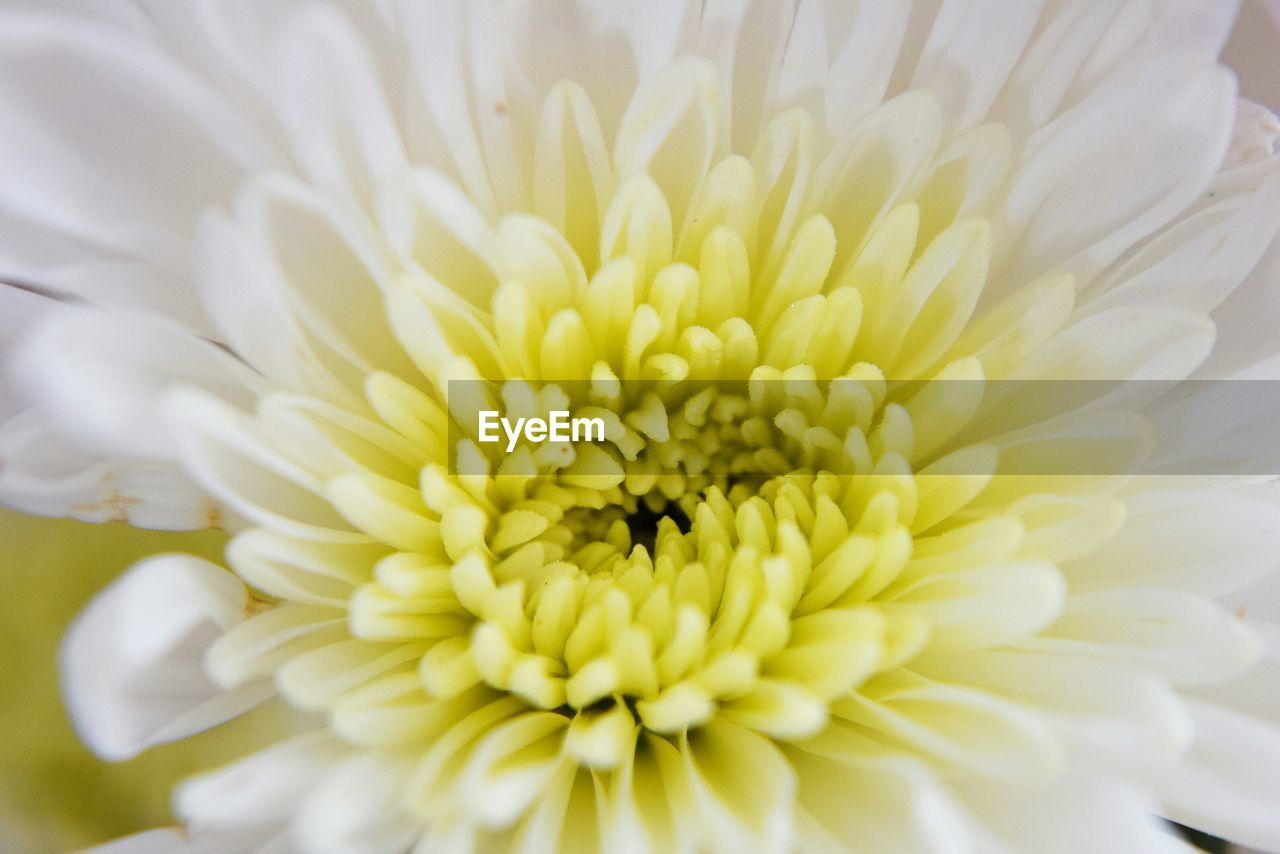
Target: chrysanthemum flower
(796,617)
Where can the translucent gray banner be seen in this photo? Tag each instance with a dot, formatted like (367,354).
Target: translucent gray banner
(865,425)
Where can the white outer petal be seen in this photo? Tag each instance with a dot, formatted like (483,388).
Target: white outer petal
(1115,168)
(1257,693)
(332,103)
(99,376)
(1227,785)
(19,310)
(133,662)
(174,840)
(1183,638)
(971,50)
(1248,316)
(863,61)
(262,791)
(615,45)
(1193,540)
(893,803)
(747,42)
(70,162)
(1079,812)
(230,454)
(355,810)
(41,474)
(1110,717)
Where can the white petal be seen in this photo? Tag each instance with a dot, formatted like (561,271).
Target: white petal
(1227,785)
(133,671)
(230,42)
(1132,343)
(245,304)
(1256,693)
(879,164)
(1107,715)
(332,104)
(1083,46)
(73,163)
(876,804)
(747,42)
(1198,261)
(43,475)
(654,34)
(1186,639)
(251,305)
(1260,599)
(670,132)
(1080,812)
(511,766)
(30,246)
(1247,350)
(20,309)
(572,174)
(563,818)
(62,265)
(318,678)
(177,841)
(863,59)
(1198,541)
(616,45)
(259,646)
(454,43)
(642,817)
(504,132)
(1141,34)
(784,159)
(956,727)
(128,19)
(356,810)
(742,785)
(979,161)
(130,284)
(985,607)
(228,454)
(434,226)
(1115,168)
(262,791)
(327,264)
(1246,317)
(529,41)
(1054,58)
(99,376)
(309,573)
(971,49)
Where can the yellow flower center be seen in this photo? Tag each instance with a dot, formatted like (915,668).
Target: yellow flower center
(765,531)
(729,548)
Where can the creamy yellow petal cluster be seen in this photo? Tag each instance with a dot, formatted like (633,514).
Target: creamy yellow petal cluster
(769,524)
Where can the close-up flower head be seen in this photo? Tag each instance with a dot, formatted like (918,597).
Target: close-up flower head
(640,426)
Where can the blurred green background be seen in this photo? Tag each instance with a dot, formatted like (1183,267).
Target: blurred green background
(54,795)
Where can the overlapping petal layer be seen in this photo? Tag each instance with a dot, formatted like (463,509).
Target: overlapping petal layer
(787,603)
